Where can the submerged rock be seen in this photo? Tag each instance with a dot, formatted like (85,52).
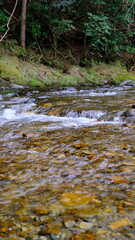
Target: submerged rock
(81,236)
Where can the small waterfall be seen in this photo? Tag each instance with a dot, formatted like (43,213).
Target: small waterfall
(91,114)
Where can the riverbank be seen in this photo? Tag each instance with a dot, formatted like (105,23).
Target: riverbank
(14,70)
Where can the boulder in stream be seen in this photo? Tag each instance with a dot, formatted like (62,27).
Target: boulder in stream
(124,116)
(129,116)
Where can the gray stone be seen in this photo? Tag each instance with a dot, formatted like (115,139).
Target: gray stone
(124,116)
(129,116)
(69,224)
(16,86)
(42,238)
(35,237)
(127,83)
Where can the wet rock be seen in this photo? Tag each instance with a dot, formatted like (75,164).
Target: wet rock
(55,111)
(57,208)
(133,106)
(129,116)
(85,225)
(16,86)
(28,135)
(101,232)
(54,236)
(127,83)
(15,238)
(36,237)
(70,224)
(70,199)
(83,236)
(111,116)
(47,105)
(120,223)
(42,238)
(44,218)
(87,212)
(41,210)
(125,116)
(51,228)
(54,228)
(59,103)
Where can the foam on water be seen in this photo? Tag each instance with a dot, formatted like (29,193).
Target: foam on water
(9,114)
(54,122)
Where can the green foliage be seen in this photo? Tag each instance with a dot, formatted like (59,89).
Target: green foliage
(98,28)
(61,26)
(11,47)
(3,21)
(69,80)
(104,29)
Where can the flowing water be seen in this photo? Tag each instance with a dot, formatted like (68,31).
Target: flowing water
(64,172)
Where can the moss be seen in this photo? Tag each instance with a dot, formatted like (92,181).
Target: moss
(29,73)
(6,91)
(123,77)
(9,67)
(69,80)
(114,72)
(36,83)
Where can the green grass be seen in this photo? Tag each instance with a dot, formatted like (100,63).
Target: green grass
(14,70)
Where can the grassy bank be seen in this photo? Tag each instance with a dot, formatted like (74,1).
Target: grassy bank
(14,70)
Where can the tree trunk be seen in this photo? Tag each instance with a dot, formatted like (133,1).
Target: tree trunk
(23,23)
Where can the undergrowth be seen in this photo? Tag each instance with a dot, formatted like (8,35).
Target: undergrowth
(21,67)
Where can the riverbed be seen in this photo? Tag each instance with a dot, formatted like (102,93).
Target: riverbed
(64,172)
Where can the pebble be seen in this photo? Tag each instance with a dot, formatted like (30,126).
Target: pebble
(69,224)
(42,238)
(24,229)
(16,238)
(42,210)
(35,237)
(85,225)
(57,208)
(43,218)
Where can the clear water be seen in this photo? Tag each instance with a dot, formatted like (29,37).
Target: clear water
(64,174)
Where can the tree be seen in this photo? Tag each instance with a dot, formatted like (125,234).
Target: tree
(102,29)
(23,23)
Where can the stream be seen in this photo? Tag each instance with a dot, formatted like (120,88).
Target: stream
(65,171)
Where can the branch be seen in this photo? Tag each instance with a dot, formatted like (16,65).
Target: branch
(5,10)
(39,50)
(8,28)
(132,5)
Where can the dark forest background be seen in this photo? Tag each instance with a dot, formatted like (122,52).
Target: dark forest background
(77,30)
